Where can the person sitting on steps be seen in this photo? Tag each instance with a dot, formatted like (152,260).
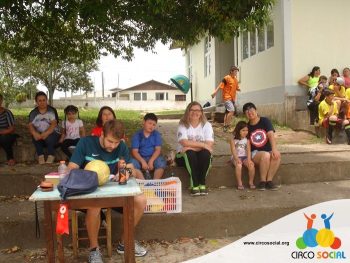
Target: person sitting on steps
(43,121)
(7,132)
(263,146)
(146,147)
(328,116)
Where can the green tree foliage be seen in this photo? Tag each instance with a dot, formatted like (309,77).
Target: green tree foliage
(79,30)
(21,97)
(61,76)
(12,79)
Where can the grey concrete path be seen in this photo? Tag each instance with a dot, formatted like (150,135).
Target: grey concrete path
(250,210)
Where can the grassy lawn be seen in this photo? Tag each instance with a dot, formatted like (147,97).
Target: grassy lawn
(169,112)
(131,119)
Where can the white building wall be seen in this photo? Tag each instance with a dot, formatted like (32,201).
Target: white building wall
(151,94)
(321,36)
(113,103)
(264,69)
(202,85)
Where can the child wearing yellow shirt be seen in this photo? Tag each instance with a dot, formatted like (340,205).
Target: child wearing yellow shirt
(328,116)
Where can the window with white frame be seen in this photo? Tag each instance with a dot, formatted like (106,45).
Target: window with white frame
(270,35)
(252,36)
(257,41)
(207,55)
(180,97)
(245,45)
(160,96)
(261,40)
(137,96)
(144,96)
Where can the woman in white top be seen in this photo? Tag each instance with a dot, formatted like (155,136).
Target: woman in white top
(195,145)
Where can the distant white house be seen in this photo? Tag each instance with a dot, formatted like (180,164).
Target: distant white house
(301,34)
(151,96)
(150,91)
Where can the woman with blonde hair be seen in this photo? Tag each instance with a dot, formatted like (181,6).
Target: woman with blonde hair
(195,138)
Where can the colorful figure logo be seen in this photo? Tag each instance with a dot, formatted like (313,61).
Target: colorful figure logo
(323,237)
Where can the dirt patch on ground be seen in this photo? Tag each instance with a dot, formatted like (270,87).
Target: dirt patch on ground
(158,251)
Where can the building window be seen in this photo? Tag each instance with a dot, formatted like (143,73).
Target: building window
(245,45)
(270,35)
(257,40)
(207,55)
(167,96)
(124,97)
(144,96)
(180,97)
(261,39)
(252,43)
(137,96)
(159,96)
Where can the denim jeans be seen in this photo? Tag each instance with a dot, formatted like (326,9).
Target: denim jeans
(50,143)
(6,142)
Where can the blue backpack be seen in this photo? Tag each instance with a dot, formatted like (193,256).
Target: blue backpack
(78,182)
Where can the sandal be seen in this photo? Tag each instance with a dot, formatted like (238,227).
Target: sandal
(240,187)
(252,187)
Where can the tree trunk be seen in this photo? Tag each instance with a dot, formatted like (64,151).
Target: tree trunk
(51,92)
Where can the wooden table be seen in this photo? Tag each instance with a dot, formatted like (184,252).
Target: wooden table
(109,195)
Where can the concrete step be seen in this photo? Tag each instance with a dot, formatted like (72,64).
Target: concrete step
(224,212)
(26,153)
(296,167)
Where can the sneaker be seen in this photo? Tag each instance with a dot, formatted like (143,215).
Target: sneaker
(95,256)
(271,186)
(50,159)
(328,140)
(140,251)
(261,186)
(41,159)
(195,191)
(203,190)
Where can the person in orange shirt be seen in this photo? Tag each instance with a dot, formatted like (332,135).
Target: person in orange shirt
(229,86)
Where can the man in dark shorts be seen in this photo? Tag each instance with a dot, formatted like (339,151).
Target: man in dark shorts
(229,87)
(263,146)
(109,147)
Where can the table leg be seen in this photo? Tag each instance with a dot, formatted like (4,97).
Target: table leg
(49,232)
(109,232)
(60,248)
(128,219)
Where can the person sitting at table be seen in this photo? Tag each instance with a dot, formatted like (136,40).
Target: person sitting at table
(109,148)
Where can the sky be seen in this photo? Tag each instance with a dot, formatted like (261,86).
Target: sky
(145,66)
